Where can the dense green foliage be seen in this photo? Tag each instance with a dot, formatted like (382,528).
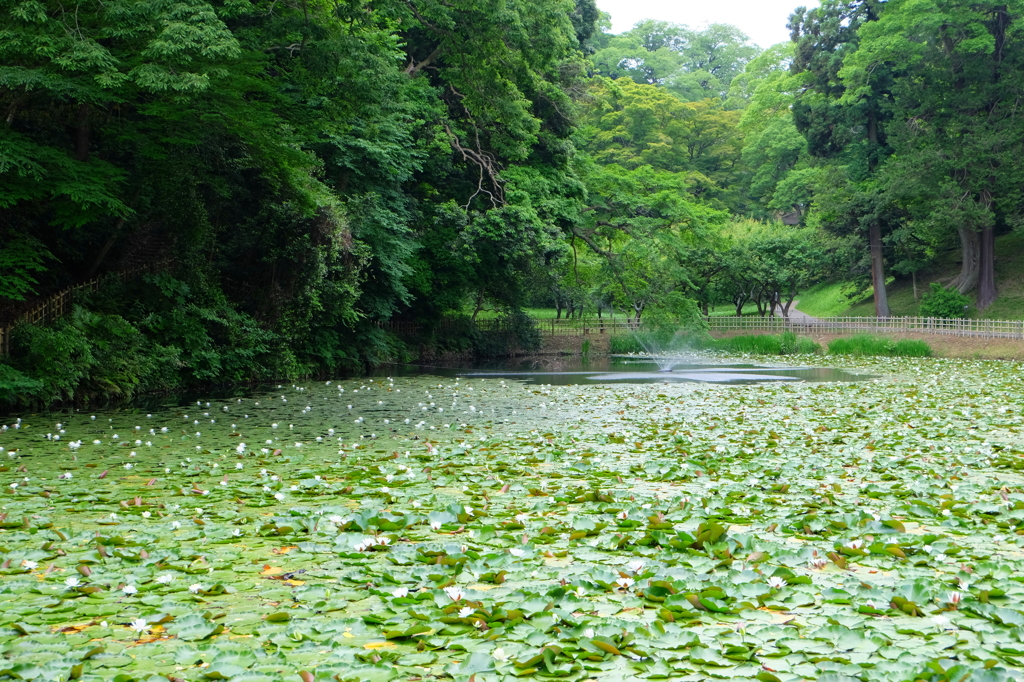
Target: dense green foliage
(296,176)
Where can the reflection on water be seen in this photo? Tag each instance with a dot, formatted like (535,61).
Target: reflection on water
(618,369)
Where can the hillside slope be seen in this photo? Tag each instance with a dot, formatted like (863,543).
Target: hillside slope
(827,300)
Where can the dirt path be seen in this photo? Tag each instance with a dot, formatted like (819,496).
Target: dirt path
(798,316)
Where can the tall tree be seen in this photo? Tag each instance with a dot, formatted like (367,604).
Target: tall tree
(845,128)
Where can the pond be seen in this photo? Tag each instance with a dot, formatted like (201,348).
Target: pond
(589,522)
(634,370)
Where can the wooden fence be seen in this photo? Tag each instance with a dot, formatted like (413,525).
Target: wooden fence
(59,304)
(989,329)
(1009,329)
(547,327)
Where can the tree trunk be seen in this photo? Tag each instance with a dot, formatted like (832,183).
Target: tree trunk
(789,302)
(878,269)
(479,305)
(987,268)
(970,248)
(739,301)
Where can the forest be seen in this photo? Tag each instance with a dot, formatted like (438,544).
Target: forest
(285,177)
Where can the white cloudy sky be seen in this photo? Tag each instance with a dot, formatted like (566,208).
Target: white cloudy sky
(763,20)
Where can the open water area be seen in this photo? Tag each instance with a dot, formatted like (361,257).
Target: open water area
(731,518)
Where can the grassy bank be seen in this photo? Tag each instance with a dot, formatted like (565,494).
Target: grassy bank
(787,343)
(835,299)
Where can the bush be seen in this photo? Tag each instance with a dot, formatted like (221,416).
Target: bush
(16,388)
(943,302)
(866,344)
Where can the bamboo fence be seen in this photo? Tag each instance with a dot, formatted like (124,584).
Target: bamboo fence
(59,304)
(988,329)
(991,329)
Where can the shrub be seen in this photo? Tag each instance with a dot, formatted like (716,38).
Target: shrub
(624,343)
(17,388)
(866,344)
(943,302)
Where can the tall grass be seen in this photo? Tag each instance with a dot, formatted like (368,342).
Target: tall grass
(787,343)
(866,344)
(754,344)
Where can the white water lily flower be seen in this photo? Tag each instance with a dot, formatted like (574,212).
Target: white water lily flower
(954,598)
(515,551)
(129,589)
(589,633)
(625,583)
(140,625)
(775,582)
(73,581)
(336,519)
(165,579)
(435,525)
(940,621)
(278,496)
(29,564)
(175,525)
(499,655)
(195,588)
(401,593)
(466,611)
(454,592)
(635,566)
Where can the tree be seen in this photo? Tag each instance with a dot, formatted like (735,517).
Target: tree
(639,222)
(845,128)
(634,125)
(954,127)
(711,60)
(692,64)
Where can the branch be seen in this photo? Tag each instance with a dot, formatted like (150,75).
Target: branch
(414,68)
(487,166)
(589,241)
(422,20)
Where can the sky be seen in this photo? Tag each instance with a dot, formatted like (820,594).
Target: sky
(763,20)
